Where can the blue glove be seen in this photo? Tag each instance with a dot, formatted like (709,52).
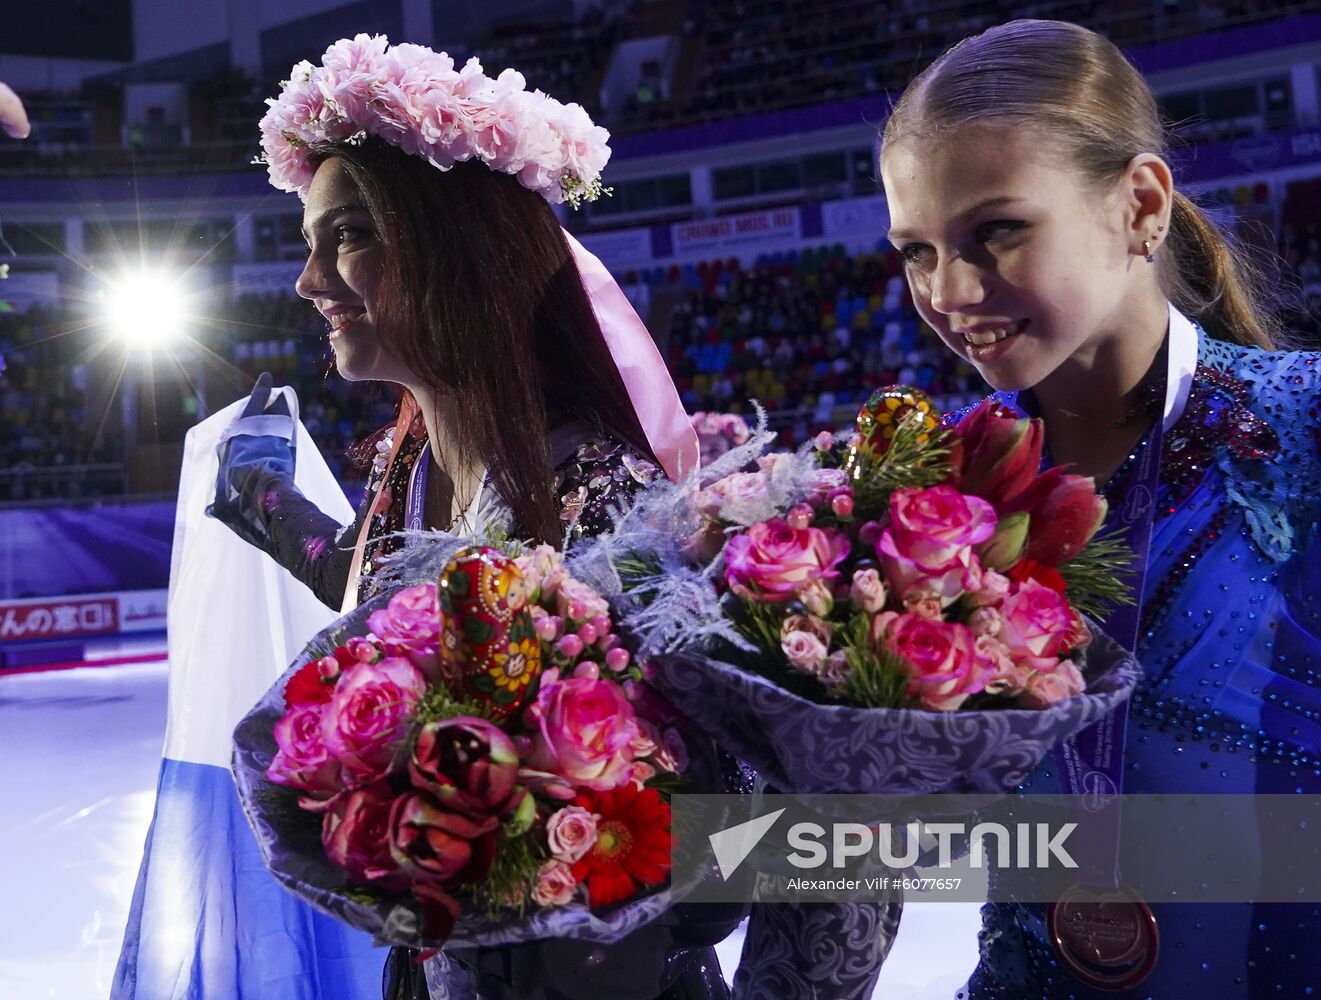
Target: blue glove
(257,499)
(256,454)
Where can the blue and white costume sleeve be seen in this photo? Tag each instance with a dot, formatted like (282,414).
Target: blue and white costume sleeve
(1231,699)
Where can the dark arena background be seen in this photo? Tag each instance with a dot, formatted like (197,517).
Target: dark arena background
(150,273)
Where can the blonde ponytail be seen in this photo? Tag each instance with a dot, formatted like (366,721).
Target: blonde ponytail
(1211,278)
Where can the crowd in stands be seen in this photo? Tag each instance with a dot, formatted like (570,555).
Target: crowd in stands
(738,56)
(808,335)
(1301,305)
(762,55)
(560,60)
(46,429)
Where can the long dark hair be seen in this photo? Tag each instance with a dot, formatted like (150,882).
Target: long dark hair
(1094,105)
(481,298)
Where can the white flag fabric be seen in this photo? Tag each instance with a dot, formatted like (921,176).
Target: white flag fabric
(208,921)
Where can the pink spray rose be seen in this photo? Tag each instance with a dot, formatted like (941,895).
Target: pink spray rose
(578,601)
(369,713)
(570,833)
(663,746)
(1009,676)
(823,482)
(867,593)
(672,754)
(718,432)
(583,730)
(929,543)
(925,605)
(1081,636)
(804,650)
(806,623)
(880,627)
(993,590)
(543,569)
(776,461)
(356,834)
(1036,624)
(816,597)
(984,622)
(409,625)
(648,739)
(772,562)
(555,885)
(943,662)
(836,670)
(302,760)
(738,490)
(1046,687)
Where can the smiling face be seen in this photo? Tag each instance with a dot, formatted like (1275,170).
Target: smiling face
(343,275)
(1018,261)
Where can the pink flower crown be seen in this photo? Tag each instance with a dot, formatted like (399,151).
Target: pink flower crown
(413,98)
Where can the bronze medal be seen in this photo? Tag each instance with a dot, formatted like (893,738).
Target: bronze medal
(1106,938)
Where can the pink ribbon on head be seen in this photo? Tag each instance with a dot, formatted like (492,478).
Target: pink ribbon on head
(650,389)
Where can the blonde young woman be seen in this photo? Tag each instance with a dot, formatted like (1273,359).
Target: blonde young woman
(1045,241)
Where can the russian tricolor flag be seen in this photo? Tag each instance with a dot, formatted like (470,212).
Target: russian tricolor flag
(208,922)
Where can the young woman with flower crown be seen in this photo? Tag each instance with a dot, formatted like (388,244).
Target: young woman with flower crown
(534,399)
(1044,242)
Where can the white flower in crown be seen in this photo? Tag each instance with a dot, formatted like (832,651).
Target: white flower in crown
(412,97)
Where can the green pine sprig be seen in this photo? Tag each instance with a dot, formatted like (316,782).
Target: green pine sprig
(917,456)
(1100,577)
(636,568)
(759,622)
(362,895)
(440,703)
(877,678)
(668,784)
(513,874)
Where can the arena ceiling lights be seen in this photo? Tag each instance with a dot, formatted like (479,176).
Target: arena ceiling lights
(145,308)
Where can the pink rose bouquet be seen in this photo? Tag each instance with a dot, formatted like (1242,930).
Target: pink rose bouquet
(442,749)
(856,613)
(923,566)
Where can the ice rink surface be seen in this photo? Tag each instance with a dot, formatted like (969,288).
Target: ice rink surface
(79,755)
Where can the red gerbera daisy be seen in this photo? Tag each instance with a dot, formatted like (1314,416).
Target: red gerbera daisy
(632,843)
(309,686)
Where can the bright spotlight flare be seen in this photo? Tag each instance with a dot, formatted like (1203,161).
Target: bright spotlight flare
(146,308)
